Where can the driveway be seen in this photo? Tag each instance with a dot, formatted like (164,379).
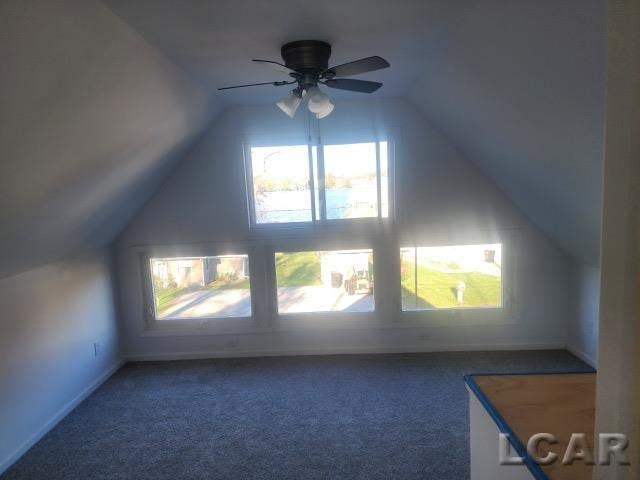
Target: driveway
(237,302)
(210,303)
(319,298)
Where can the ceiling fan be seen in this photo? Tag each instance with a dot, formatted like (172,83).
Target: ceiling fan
(307,63)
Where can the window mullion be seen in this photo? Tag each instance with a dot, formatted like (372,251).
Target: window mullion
(248,173)
(415,275)
(312,186)
(378,180)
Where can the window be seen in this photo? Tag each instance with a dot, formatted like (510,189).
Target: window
(201,287)
(307,183)
(461,276)
(351,180)
(325,281)
(281,186)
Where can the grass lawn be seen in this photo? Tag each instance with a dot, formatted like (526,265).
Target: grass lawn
(298,269)
(165,296)
(228,285)
(438,289)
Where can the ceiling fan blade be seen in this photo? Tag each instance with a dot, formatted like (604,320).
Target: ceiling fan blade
(363,65)
(276,66)
(363,86)
(275,84)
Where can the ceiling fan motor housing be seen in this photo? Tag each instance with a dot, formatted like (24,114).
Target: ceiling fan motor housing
(307,64)
(308,57)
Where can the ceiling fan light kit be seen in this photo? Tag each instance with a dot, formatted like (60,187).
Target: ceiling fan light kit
(291,102)
(326,111)
(307,64)
(318,102)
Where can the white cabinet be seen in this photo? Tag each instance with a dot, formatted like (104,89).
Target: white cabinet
(484,437)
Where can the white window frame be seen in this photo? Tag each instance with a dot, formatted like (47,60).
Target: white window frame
(317,170)
(151,326)
(337,315)
(457,316)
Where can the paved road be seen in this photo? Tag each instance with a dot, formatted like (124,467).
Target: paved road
(237,302)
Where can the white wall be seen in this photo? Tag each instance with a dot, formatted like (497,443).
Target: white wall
(441,198)
(618,382)
(583,321)
(50,318)
(92,118)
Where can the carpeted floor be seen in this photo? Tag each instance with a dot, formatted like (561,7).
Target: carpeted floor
(335,417)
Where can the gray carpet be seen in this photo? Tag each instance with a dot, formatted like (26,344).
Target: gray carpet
(347,417)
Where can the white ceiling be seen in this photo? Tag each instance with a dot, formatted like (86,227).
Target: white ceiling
(215,41)
(520,88)
(518,85)
(93,118)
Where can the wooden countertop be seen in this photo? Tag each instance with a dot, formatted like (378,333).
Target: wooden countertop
(560,404)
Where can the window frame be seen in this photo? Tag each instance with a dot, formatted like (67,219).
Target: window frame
(317,191)
(318,314)
(456,316)
(151,326)
(249,187)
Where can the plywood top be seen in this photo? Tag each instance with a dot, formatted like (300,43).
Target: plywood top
(560,404)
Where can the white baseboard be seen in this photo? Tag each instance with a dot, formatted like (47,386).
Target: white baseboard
(582,356)
(339,351)
(59,415)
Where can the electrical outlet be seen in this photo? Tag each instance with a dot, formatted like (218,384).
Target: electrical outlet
(96,348)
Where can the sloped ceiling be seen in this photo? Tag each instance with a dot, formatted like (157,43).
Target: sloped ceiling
(520,88)
(518,85)
(92,118)
(99,102)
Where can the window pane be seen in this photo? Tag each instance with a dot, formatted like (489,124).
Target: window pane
(461,276)
(325,281)
(198,287)
(351,180)
(281,184)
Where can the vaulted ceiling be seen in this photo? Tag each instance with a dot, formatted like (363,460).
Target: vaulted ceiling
(518,85)
(101,99)
(92,119)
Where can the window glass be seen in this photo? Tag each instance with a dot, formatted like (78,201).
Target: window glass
(342,181)
(351,180)
(281,184)
(460,276)
(325,281)
(200,287)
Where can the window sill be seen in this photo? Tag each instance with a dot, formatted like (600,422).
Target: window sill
(452,317)
(333,322)
(200,327)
